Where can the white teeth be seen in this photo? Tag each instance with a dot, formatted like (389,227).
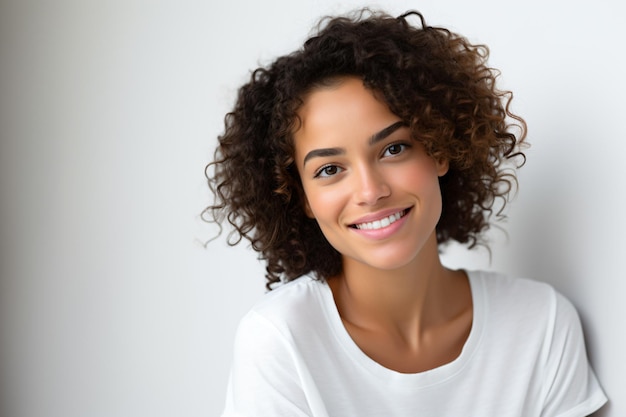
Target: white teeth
(379,224)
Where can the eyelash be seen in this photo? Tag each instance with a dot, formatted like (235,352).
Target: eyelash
(403,145)
(323,173)
(319,173)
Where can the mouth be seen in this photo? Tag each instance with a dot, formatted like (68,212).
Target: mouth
(381,223)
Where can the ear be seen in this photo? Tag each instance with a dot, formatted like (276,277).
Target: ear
(442,165)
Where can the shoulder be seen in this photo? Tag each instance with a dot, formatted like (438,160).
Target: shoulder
(526,296)
(530,319)
(302,294)
(535,333)
(290,308)
(504,285)
(514,308)
(267,367)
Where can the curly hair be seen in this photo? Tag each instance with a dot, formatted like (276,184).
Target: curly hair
(436,81)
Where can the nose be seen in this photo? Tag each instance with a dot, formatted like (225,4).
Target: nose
(370,186)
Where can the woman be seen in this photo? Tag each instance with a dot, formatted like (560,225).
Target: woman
(347,164)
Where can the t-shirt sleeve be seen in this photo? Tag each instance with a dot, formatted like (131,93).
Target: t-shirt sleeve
(570,386)
(264,379)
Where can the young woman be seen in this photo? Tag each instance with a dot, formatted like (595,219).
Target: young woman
(347,164)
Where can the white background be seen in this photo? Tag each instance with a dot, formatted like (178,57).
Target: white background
(109,303)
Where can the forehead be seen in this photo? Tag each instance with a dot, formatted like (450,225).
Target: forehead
(345,96)
(343,108)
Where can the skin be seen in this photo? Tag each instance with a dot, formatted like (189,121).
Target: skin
(357,164)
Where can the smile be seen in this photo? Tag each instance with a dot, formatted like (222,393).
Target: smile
(379,224)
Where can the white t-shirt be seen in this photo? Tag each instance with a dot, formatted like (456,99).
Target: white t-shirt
(525,356)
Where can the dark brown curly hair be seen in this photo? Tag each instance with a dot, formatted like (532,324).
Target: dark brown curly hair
(434,80)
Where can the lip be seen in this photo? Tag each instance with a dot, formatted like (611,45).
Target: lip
(384,232)
(378,215)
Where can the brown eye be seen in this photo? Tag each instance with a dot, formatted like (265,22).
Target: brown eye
(327,171)
(395,149)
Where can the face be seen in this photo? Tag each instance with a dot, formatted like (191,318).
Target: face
(372,189)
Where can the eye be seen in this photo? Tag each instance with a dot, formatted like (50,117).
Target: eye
(395,149)
(327,171)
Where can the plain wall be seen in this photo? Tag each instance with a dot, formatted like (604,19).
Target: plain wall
(109,303)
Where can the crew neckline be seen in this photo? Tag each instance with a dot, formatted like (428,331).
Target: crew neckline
(410,380)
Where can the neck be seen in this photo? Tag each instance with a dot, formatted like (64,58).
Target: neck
(414,296)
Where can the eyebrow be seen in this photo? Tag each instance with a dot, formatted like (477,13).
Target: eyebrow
(375,138)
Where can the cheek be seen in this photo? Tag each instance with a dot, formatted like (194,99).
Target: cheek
(328,204)
(321,203)
(422,178)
